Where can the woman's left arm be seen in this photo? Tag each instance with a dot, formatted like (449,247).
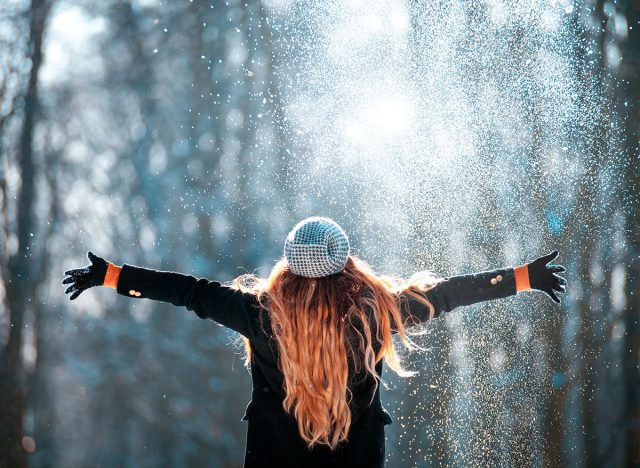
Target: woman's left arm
(463,290)
(208,299)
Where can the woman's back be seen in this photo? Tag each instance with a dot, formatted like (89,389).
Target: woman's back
(361,385)
(273,430)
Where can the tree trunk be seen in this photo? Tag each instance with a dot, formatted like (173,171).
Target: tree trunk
(17,278)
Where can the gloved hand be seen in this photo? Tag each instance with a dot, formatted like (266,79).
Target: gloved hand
(545,278)
(87,277)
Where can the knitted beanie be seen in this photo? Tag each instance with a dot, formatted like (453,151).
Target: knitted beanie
(316,247)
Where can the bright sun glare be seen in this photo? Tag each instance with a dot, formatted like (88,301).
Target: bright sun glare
(388,117)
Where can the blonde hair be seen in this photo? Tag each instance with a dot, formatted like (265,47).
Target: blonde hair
(312,319)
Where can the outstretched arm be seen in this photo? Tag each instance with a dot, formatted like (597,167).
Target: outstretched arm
(456,291)
(208,299)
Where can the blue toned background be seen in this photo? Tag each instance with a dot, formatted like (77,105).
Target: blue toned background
(453,136)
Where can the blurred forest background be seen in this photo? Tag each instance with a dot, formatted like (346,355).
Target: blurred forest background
(190,136)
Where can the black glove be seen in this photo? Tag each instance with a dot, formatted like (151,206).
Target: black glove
(87,277)
(544,277)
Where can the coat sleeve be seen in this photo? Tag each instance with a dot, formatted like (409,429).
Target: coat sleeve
(462,290)
(208,299)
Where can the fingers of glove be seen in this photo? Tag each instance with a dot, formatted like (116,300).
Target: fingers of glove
(93,257)
(560,279)
(76,294)
(81,281)
(547,258)
(556,268)
(71,288)
(68,280)
(552,295)
(77,271)
(559,288)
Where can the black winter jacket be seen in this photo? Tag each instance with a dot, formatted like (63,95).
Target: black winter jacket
(272,434)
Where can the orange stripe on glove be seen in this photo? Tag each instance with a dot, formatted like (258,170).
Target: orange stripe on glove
(112,276)
(522,278)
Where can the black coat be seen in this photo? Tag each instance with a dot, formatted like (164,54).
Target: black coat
(272,434)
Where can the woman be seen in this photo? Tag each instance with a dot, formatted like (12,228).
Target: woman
(315,332)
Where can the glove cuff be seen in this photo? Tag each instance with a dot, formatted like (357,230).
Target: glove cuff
(111,276)
(522,278)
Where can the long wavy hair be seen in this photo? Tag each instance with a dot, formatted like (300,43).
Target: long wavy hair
(314,321)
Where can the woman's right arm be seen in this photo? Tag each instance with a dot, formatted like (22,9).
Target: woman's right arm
(456,291)
(208,299)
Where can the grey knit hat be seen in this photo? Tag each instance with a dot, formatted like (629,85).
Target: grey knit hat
(316,247)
